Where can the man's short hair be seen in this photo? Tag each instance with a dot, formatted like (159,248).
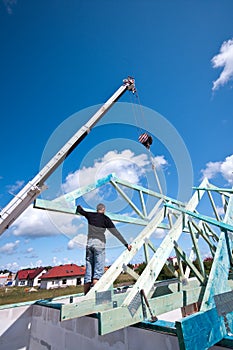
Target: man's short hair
(100,206)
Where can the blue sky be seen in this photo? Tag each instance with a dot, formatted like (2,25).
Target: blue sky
(59,58)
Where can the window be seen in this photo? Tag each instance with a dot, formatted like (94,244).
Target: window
(64,281)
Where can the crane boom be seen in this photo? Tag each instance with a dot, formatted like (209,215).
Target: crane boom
(34,187)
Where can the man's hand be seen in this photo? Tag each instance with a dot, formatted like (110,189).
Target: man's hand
(77,209)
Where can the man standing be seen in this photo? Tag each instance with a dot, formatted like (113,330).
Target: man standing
(98,222)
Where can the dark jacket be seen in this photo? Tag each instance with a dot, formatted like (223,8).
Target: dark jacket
(97,225)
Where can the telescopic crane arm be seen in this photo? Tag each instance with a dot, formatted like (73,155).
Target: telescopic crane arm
(34,187)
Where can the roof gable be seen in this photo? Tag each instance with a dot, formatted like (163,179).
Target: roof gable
(23,274)
(36,272)
(29,273)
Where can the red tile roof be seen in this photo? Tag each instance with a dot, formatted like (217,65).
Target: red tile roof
(30,273)
(36,272)
(68,270)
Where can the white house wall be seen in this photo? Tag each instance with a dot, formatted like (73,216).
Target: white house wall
(37,278)
(21,283)
(57,283)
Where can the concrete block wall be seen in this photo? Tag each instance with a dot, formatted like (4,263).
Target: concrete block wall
(48,333)
(34,327)
(15,327)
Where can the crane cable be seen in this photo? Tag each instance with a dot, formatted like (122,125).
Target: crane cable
(141,132)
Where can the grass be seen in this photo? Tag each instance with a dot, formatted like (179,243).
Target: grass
(15,295)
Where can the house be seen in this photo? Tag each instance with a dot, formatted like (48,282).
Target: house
(9,279)
(3,279)
(29,277)
(63,276)
(34,277)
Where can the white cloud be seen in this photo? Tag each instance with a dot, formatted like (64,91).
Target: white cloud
(211,170)
(220,210)
(159,161)
(35,223)
(13,267)
(224,59)
(9,248)
(39,263)
(29,250)
(62,261)
(14,188)
(126,165)
(160,233)
(56,261)
(78,241)
(223,168)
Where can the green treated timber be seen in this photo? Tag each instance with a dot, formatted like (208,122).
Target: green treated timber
(189,263)
(85,306)
(118,318)
(213,206)
(147,191)
(62,203)
(51,305)
(197,250)
(59,207)
(205,235)
(175,285)
(159,326)
(212,326)
(222,225)
(143,203)
(128,200)
(73,195)
(220,267)
(226,342)
(155,265)
(218,277)
(202,330)
(130,271)
(216,189)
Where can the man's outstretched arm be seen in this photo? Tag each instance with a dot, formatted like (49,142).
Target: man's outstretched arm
(118,235)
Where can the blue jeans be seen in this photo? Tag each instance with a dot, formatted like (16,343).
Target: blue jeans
(95,260)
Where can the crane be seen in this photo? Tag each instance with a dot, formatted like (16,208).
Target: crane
(37,185)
